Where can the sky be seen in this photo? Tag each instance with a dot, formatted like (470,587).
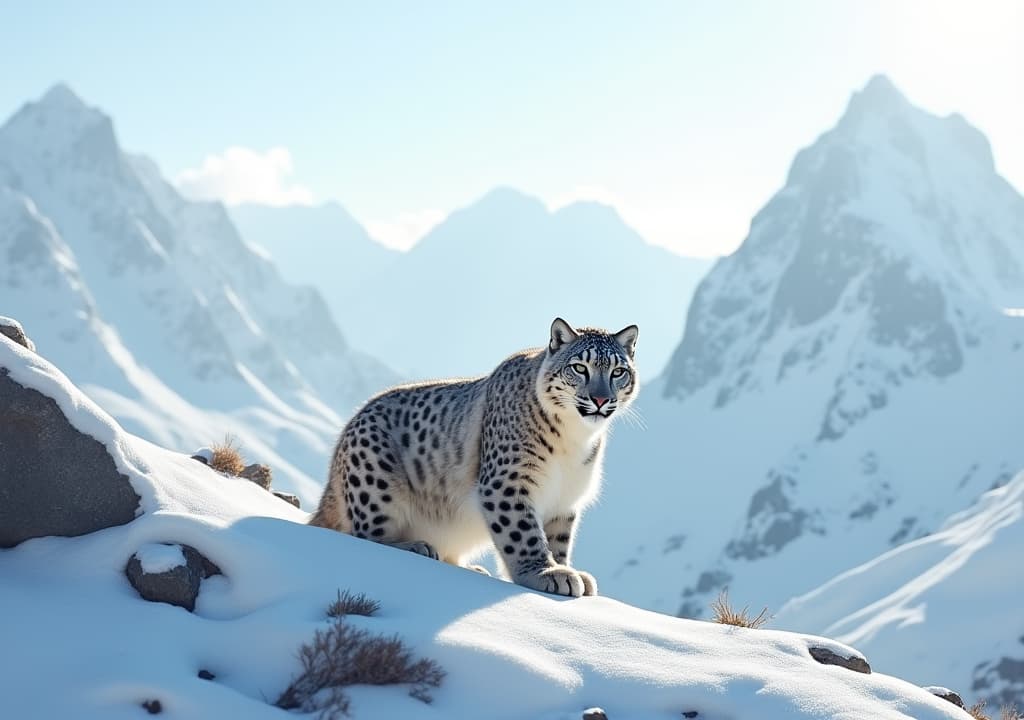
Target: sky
(685,116)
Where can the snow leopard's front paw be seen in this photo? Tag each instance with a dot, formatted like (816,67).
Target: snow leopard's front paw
(419,547)
(557,580)
(589,583)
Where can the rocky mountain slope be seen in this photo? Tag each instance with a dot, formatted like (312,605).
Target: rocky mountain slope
(847,380)
(958,582)
(158,306)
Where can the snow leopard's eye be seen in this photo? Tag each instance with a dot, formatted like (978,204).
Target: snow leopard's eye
(618,372)
(580,368)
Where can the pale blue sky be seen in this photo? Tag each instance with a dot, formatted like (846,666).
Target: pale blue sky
(685,115)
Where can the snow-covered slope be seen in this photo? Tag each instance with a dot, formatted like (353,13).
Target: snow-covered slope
(847,379)
(157,306)
(964,581)
(87,646)
(488,281)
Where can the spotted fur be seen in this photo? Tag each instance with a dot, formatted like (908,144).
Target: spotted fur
(508,460)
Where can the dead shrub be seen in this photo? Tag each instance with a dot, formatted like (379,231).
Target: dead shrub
(1006,712)
(342,656)
(226,457)
(352,604)
(724,614)
(977,711)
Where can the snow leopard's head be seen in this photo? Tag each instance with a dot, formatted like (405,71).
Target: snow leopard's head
(588,371)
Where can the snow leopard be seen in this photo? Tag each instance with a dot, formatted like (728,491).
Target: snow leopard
(449,468)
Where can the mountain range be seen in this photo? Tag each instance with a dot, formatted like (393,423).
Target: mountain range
(157,306)
(486,282)
(836,435)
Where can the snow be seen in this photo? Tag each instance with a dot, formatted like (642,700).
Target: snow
(964,576)
(205,453)
(160,557)
(89,647)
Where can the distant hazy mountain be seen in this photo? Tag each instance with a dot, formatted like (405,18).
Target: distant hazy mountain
(156,304)
(485,282)
(322,246)
(847,380)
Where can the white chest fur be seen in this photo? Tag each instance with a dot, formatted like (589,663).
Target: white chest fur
(572,476)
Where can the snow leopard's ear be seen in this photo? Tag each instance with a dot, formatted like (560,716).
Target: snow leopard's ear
(561,333)
(626,337)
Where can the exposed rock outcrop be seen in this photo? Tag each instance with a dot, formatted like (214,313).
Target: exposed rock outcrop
(54,479)
(828,657)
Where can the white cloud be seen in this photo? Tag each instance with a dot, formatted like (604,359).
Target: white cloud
(241,175)
(406,229)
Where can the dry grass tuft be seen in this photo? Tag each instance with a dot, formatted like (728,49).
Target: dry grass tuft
(226,457)
(724,614)
(342,656)
(1006,712)
(352,604)
(977,711)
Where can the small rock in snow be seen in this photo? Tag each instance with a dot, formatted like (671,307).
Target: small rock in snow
(12,329)
(690,714)
(594,713)
(947,694)
(206,675)
(259,474)
(827,657)
(287,497)
(203,455)
(153,707)
(175,585)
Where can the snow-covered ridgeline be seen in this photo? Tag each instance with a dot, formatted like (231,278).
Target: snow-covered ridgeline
(508,652)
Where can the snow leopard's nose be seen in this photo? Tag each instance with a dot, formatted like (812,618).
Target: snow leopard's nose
(599,401)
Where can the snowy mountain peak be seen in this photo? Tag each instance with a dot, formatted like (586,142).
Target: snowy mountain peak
(909,127)
(61,98)
(896,216)
(880,93)
(157,300)
(61,124)
(506,202)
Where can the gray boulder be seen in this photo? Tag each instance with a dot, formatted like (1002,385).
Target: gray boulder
(169,573)
(54,480)
(827,657)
